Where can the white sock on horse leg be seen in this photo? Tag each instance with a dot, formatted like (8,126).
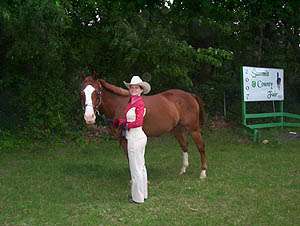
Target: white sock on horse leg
(203,174)
(185,159)
(185,162)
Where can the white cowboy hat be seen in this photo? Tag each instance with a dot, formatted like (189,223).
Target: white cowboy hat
(136,80)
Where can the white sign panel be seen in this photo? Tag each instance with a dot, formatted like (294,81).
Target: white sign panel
(262,84)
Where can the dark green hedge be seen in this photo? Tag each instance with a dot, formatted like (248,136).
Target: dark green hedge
(198,46)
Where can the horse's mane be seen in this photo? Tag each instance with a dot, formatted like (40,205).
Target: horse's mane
(115,89)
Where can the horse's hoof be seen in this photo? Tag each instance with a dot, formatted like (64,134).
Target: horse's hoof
(203,174)
(182,171)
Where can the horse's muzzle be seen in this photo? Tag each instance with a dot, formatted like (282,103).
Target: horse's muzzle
(90,120)
(90,117)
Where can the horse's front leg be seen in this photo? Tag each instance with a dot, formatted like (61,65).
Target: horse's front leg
(117,134)
(123,143)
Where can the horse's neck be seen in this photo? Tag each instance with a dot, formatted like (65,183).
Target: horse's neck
(111,102)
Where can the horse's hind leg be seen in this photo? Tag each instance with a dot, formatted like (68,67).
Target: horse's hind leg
(181,137)
(201,148)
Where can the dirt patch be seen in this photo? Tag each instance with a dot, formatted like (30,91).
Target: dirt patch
(219,122)
(290,135)
(95,132)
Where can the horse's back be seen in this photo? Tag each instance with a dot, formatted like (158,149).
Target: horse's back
(171,108)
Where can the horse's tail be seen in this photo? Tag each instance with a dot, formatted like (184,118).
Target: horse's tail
(201,109)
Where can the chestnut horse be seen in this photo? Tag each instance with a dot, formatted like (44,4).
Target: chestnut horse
(173,111)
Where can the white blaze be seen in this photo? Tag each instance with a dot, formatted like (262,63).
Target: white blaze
(89,114)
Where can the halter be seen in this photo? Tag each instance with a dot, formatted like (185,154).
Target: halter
(99,95)
(99,98)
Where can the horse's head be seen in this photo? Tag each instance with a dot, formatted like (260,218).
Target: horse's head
(91,98)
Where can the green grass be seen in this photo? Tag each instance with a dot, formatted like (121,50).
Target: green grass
(87,184)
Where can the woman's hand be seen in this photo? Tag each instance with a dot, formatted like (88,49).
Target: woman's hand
(116,123)
(119,122)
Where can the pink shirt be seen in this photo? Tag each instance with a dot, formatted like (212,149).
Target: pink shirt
(136,104)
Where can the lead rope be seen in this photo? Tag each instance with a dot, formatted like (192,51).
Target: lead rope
(108,121)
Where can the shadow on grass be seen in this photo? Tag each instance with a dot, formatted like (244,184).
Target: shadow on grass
(97,171)
(112,173)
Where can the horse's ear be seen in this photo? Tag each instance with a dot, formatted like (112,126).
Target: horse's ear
(93,71)
(82,75)
(94,74)
(99,82)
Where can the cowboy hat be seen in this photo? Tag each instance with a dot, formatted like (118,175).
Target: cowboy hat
(136,80)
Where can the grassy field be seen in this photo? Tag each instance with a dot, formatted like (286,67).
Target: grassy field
(75,183)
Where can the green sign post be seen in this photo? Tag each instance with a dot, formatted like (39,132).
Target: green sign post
(264,84)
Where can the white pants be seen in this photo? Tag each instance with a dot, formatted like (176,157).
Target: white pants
(136,152)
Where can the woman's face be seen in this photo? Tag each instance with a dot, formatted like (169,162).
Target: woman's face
(135,90)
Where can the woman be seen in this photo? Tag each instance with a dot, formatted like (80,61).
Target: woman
(136,138)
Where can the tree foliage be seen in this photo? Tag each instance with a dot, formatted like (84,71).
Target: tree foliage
(198,46)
